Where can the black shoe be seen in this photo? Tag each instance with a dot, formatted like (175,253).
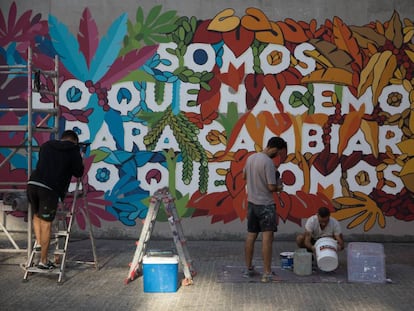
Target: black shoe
(47,266)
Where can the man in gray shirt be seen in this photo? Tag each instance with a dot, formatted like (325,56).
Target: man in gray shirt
(260,175)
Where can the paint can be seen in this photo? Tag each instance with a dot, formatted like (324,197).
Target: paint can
(326,255)
(286,260)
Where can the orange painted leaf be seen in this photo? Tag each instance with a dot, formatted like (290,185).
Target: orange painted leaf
(277,123)
(348,129)
(234,135)
(292,31)
(345,41)
(255,127)
(210,106)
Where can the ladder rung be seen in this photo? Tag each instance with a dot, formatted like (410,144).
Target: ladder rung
(59,251)
(49,73)
(45,129)
(49,111)
(13,128)
(46,92)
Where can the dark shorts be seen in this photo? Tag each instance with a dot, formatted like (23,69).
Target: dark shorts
(261,218)
(43,201)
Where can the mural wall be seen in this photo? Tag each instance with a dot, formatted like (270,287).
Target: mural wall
(168,100)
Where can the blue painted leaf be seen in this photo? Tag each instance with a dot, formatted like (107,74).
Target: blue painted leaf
(108,48)
(67,47)
(116,128)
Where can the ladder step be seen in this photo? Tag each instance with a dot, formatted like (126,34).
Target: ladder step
(59,251)
(37,270)
(61,233)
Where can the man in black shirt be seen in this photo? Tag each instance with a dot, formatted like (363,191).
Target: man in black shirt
(59,160)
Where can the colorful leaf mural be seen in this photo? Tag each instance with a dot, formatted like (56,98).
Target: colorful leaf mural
(168,100)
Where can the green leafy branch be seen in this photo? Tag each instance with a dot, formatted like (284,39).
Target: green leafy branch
(185,132)
(150,30)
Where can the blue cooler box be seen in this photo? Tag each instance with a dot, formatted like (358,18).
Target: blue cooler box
(160,274)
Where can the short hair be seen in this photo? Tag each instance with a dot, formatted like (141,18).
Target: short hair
(324,212)
(277,142)
(71,135)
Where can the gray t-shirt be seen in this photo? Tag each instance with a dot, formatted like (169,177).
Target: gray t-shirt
(332,228)
(260,171)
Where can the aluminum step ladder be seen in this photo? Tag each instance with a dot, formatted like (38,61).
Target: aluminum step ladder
(61,231)
(162,197)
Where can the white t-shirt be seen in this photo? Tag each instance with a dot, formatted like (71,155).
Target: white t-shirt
(332,228)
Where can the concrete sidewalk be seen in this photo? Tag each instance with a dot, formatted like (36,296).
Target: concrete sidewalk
(84,288)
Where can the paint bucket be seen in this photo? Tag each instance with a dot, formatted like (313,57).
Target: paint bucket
(326,255)
(286,260)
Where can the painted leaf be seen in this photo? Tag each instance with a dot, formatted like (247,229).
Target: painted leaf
(130,62)
(292,31)
(365,35)
(407,146)
(394,31)
(371,133)
(329,75)
(345,41)
(224,21)
(67,47)
(108,48)
(367,74)
(383,72)
(255,127)
(239,40)
(348,129)
(233,77)
(88,36)
(255,20)
(338,58)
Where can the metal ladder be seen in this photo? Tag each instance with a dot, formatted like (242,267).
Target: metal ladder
(162,197)
(28,145)
(62,229)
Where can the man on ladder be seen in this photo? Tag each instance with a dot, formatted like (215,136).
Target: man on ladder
(59,160)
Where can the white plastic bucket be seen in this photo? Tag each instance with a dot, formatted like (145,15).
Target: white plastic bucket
(326,255)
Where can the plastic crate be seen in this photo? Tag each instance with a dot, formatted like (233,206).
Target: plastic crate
(366,262)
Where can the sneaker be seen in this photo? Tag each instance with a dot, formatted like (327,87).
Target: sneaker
(46,266)
(266,278)
(250,272)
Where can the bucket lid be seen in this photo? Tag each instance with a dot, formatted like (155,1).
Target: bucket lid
(287,254)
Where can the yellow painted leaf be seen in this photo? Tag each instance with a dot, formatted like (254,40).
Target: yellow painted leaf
(383,72)
(408,168)
(349,201)
(394,30)
(318,57)
(371,133)
(346,213)
(370,221)
(381,220)
(358,220)
(329,75)
(224,21)
(411,121)
(407,146)
(367,74)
